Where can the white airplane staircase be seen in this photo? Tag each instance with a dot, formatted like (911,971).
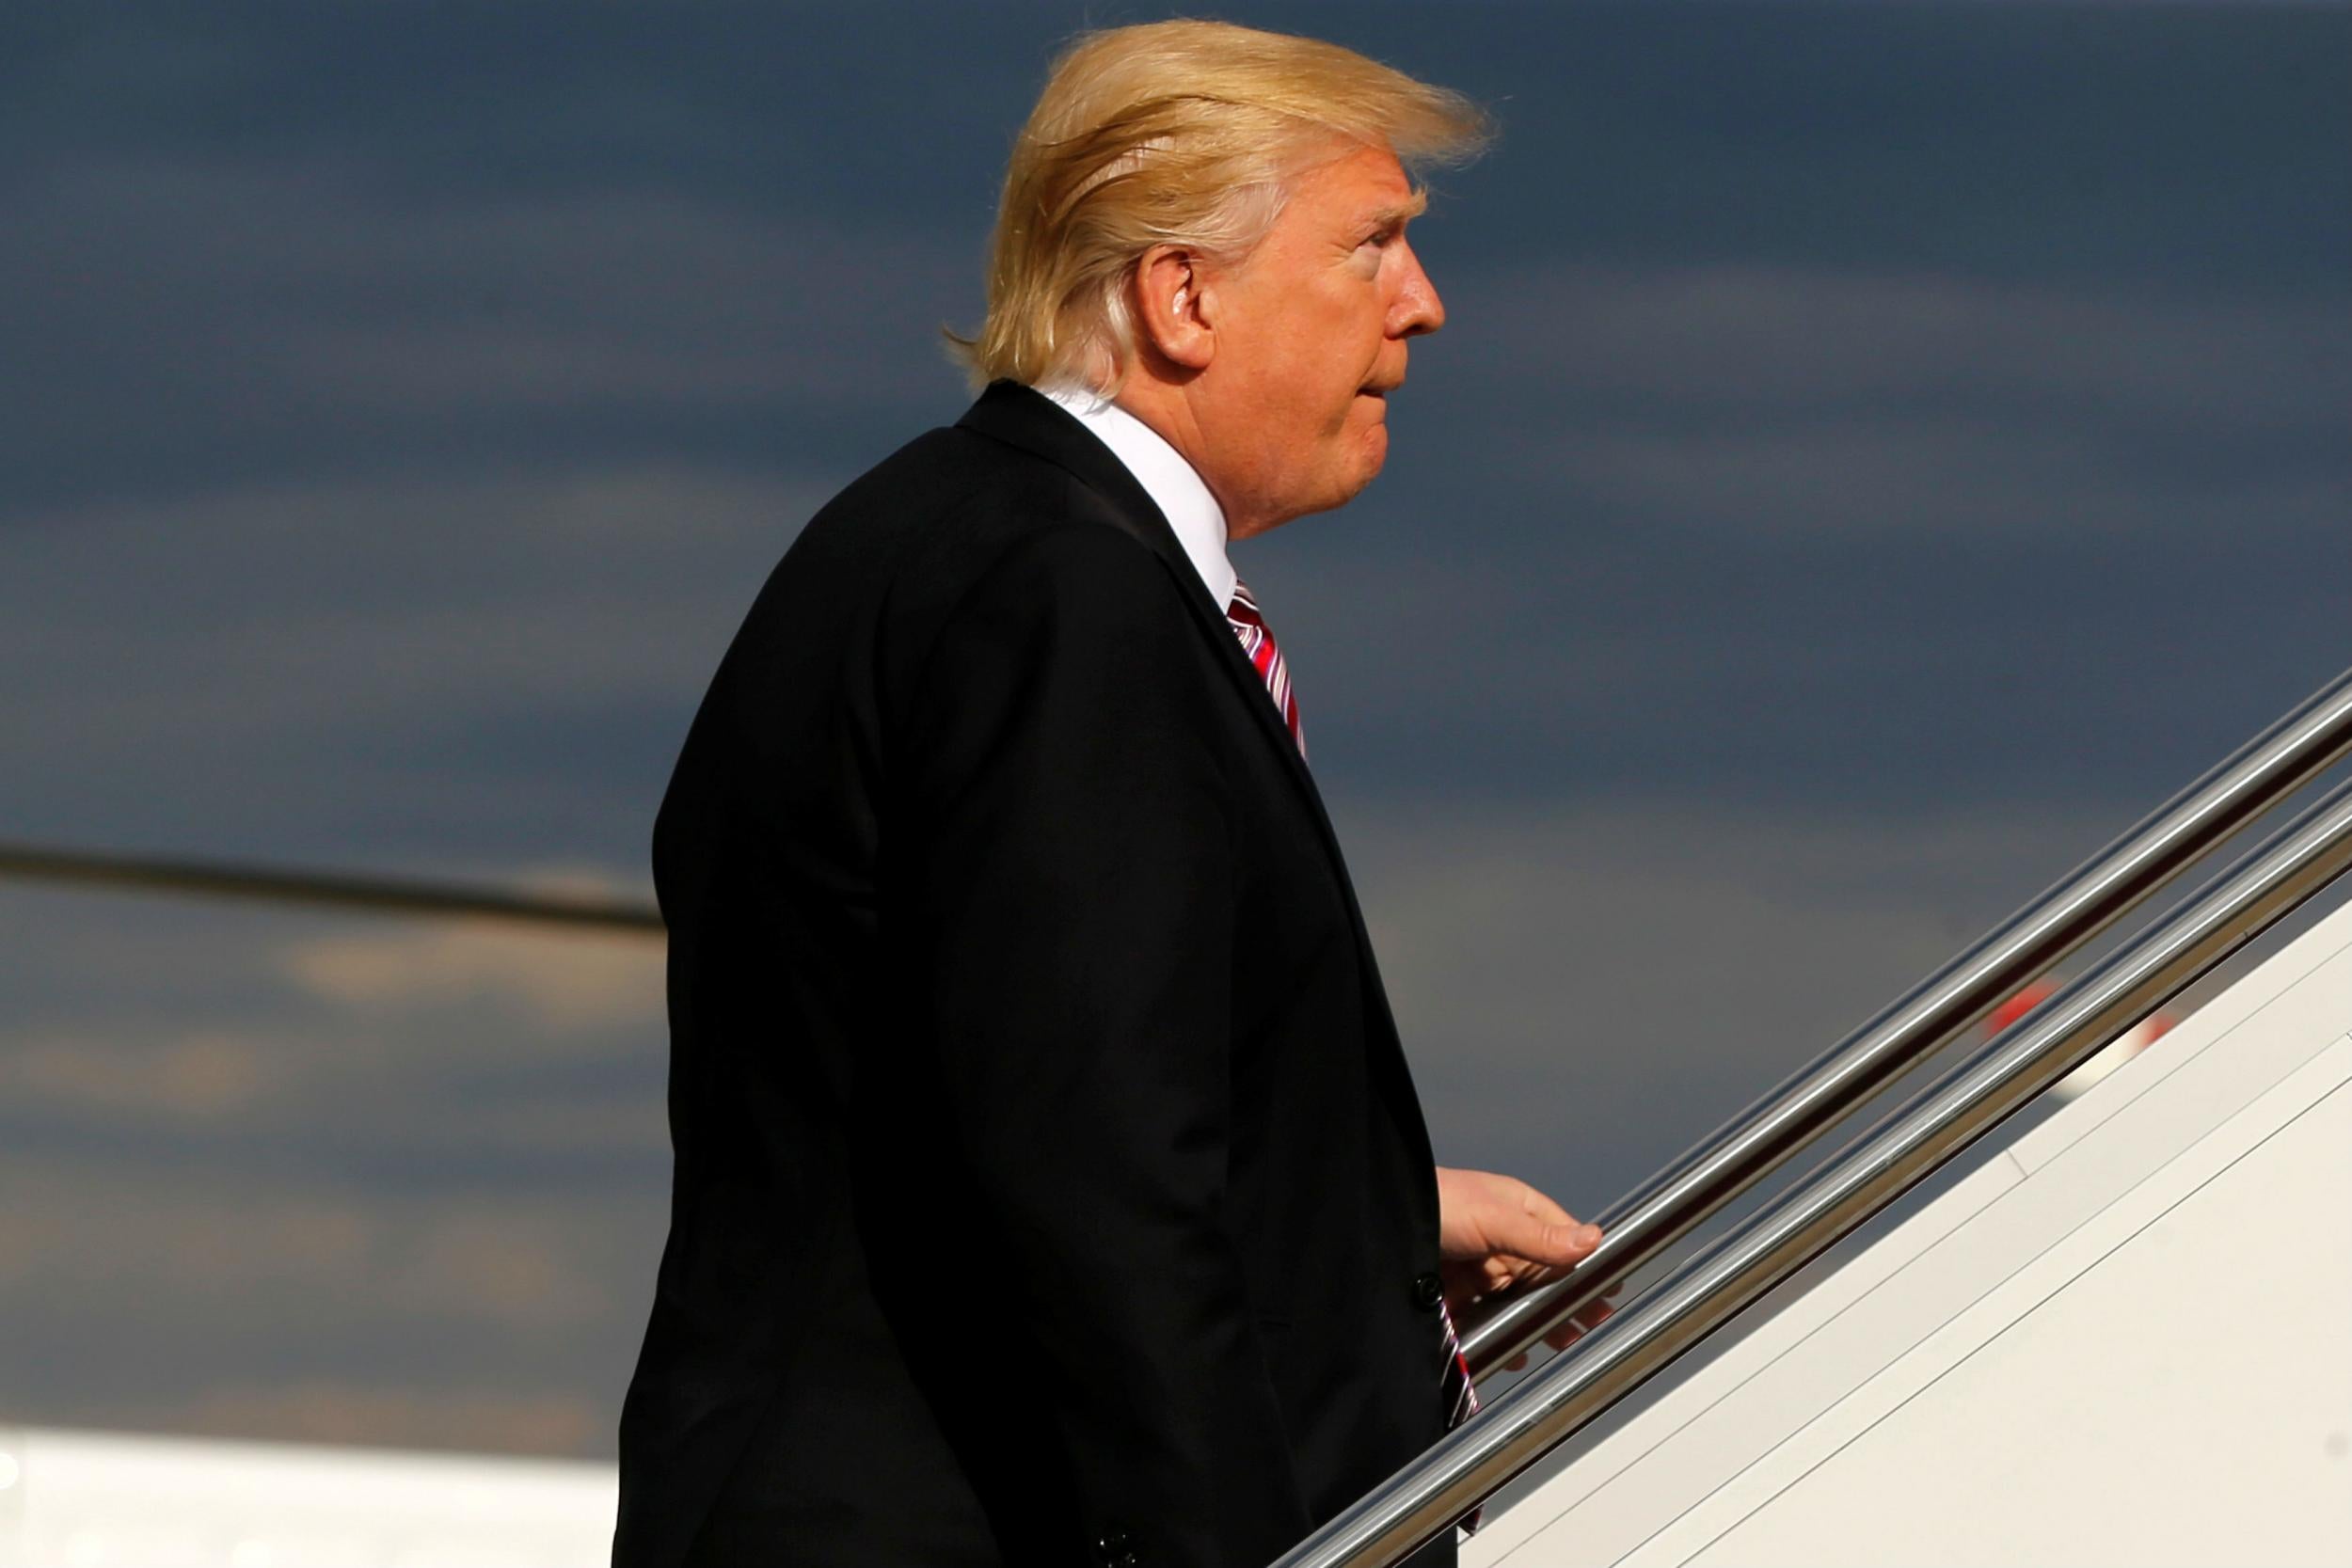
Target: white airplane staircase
(2124,1339)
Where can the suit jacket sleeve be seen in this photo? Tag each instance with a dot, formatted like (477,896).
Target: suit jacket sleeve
(1073,890)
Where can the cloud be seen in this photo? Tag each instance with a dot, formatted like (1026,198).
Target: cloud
(1791,402)
(266,1307)
(1756,339)
(1872,476)
(426,642)
(341,1411)
(391,1052)
(230,1253)
(273,303)
(562,981)
(205,1076)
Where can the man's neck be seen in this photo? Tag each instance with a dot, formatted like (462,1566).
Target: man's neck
(1174,482)
(1168,411)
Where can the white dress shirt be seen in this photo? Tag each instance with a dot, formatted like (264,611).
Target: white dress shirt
(1173,484)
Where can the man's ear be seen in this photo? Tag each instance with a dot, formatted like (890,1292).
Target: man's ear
(1171,316)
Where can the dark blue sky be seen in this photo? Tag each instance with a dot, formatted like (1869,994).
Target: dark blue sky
(1876,451)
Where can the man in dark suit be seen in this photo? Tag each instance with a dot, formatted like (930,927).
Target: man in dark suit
(1050,1188)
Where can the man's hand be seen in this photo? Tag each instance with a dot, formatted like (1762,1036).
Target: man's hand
(1497,1233)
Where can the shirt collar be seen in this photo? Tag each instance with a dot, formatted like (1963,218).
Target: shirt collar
(1173,484)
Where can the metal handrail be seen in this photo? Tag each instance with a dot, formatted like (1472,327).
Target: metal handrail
(1793,1113)
(1566,1393)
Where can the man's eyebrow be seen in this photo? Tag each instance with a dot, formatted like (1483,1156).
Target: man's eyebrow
(1401,211)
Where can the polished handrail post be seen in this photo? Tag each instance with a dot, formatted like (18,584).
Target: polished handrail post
(1924,1019)
(1566,1393)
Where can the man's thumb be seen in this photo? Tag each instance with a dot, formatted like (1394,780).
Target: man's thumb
(1563,1243)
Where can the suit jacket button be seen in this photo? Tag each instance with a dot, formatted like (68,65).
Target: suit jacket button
(1428,1290)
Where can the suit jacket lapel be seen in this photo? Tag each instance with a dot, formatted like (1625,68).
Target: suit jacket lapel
(1021,417)
(1017,414)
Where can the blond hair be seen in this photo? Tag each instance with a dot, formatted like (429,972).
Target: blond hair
(1173,132)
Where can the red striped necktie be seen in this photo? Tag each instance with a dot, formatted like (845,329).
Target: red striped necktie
(1258,646)
(1459,1392)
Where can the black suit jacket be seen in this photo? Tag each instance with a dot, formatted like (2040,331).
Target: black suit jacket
(1049,1185)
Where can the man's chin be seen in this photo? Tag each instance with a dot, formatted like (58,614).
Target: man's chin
(1369,457)
(1345,480)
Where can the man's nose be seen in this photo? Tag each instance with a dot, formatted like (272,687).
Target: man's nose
(1417,309)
